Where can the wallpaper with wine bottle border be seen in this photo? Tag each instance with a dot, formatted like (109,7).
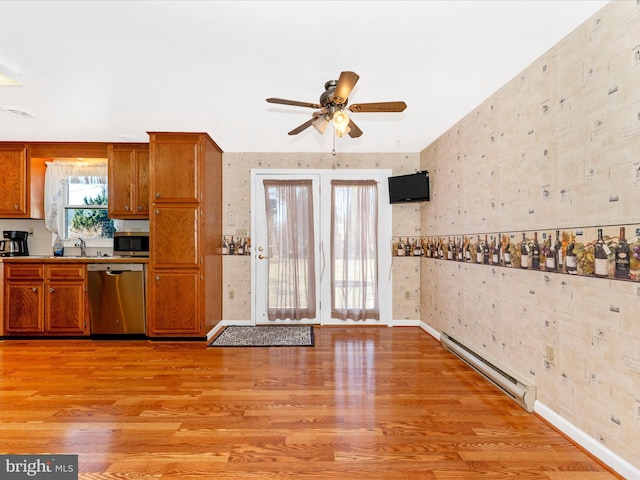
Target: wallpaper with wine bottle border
(556,148)
(505,249)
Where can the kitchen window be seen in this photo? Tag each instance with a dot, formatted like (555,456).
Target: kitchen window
(76,199)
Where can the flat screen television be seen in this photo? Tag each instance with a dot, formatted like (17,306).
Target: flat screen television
(409,188)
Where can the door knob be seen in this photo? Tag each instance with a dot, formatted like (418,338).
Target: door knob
(261,257)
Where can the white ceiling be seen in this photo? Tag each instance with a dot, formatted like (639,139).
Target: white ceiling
(104,71)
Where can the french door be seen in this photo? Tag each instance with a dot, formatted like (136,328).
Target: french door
(320,247)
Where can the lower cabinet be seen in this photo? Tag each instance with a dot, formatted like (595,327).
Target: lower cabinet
(46,299)
(66,307)
(174,299)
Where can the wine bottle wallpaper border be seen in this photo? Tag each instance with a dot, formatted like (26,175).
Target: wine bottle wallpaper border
(608,252)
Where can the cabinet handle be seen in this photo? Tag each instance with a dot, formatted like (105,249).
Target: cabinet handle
(51,290)
(157,278)
(127,207)
(16,206)
(157,212)
(34,289)
(157,194)
(139,207)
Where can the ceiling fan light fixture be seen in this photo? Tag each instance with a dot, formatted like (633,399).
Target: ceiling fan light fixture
(321,124)
(341,122)
(8,77)
(342,133)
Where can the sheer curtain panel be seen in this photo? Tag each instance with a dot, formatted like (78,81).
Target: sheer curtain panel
(291,289)
(354,250)
(57,176)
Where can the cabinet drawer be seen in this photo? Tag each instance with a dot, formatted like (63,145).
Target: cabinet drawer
(14,271)
(66,272)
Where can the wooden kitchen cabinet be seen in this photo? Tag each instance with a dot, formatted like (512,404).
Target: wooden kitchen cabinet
(24,299)
(176,169)
(66,304)
(128,166)
(46,299)
(185,229)
(21,182)
(169,250)
(173,294)
(13,181)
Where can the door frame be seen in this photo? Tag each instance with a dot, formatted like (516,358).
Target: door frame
(385,280)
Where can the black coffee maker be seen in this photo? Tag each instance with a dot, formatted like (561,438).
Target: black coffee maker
(14,244)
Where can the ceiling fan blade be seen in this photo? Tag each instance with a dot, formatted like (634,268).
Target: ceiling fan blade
(378,107)
(293,103)
(302,127)
(346,82)
(354,130)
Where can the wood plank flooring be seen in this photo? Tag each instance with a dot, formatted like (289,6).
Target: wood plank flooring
(370,402)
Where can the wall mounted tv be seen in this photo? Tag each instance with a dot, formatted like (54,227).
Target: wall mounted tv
(409,188)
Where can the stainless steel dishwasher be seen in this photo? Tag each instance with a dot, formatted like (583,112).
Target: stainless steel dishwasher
(117,298)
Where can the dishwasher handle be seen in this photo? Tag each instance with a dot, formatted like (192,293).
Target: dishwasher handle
(115,267)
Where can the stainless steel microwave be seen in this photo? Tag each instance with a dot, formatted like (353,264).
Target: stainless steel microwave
(131,244)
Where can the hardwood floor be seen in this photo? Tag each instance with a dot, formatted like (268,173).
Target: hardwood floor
(371,402)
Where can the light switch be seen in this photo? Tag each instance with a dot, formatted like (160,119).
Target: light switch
(231,218)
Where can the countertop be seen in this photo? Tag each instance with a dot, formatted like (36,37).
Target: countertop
(73,259)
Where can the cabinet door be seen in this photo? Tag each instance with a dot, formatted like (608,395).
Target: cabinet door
(121,181)
(141,196)
(174,162)
(174,303)
(13,181)
(65,308)
(65,300)
(174,236)
(128,181)
(24,307)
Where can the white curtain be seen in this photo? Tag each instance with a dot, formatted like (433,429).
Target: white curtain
(291,289)
(354,250)
(61,173)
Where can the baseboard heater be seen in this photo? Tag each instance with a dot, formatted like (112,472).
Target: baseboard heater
(523,394)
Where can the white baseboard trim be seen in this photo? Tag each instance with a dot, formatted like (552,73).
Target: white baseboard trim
(590,444)
(587,442)
(225,323)
(405,323)
(434,333)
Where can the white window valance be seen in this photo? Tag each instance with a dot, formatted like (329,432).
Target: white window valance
(57,176)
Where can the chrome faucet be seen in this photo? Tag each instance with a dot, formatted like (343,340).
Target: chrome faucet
(83,247)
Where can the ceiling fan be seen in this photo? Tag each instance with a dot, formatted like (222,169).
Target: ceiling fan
(333,103)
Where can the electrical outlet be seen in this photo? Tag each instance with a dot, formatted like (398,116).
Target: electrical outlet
(551,354)
(407,295)
(32,231)
(231,218)
(232,295)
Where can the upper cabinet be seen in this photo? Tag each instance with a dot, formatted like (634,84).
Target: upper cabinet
(128,181)
(21,183)
(13,182)
(175,170)
(23,168)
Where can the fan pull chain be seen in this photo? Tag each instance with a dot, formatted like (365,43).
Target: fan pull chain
(334,142)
